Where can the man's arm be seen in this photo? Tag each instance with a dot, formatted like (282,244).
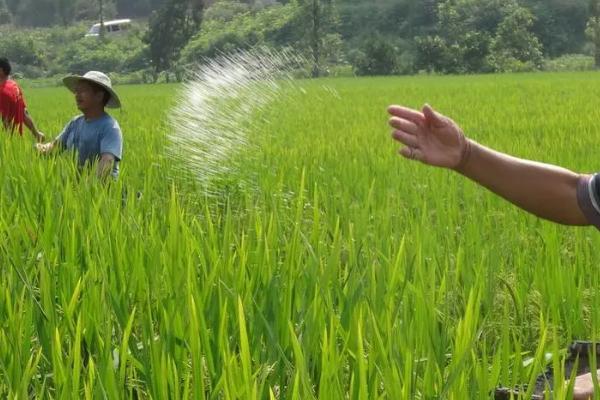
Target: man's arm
(111,150)
(39,136)
(547,191)
(59,142)
(105,165)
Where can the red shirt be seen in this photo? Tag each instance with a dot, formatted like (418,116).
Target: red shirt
(12,106)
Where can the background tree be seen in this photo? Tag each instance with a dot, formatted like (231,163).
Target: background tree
(462,36)
(515,46)
(90,9)
(377,57)
(21,49)
(318,22)
(480,36)
(232,25)
(65,11)
(36,12)
(389,18)
(335,36)
(5,15)
(559,24)
(593,30)
(170,28)
(13,6)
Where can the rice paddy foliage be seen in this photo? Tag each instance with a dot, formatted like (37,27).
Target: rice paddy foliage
(341,272)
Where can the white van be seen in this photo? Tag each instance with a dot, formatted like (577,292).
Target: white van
(115,27)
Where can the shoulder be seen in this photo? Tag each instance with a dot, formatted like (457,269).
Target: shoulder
(76,120)
(111,124)
(14,86)
(109,119)
(11,88)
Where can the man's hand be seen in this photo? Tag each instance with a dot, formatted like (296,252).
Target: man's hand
(584,387)
(45,148)
(105,165)
(429,137)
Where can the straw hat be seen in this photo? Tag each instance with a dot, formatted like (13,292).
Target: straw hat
(98,78)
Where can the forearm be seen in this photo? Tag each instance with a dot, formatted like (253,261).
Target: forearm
(48,148)
(39,136)
(544,190)
(30,124)
(104,168)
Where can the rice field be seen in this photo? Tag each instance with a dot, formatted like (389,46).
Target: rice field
(324,267)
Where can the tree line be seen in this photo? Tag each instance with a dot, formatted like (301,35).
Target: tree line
(403,36)
(365,37)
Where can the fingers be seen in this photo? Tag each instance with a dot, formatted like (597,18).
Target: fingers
(412,153)
(404,125)
(406,138)
(407,124)
(434,118)
(409,114)
(44,148)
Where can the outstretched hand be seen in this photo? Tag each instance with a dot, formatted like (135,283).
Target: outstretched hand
(584,387)
(44,148)
(429,137)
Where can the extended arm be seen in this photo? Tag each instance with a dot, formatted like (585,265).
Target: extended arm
(105,165)
(39,136)
(547,191)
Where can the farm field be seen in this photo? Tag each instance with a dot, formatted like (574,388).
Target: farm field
(324,266)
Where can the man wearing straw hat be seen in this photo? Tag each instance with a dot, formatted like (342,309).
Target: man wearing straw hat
(95,135)
(548,191)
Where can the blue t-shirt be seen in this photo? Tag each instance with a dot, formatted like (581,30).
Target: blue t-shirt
(93,138)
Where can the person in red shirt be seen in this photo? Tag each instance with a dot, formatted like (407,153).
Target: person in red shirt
(12,104)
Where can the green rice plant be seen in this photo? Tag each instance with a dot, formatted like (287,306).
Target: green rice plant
(337,270)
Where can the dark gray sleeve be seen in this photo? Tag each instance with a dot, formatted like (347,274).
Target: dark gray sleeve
(588,197)
(112,141)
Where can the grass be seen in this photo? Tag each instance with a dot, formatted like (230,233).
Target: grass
(343,271)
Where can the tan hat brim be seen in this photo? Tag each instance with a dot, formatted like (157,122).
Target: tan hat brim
(71,81)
